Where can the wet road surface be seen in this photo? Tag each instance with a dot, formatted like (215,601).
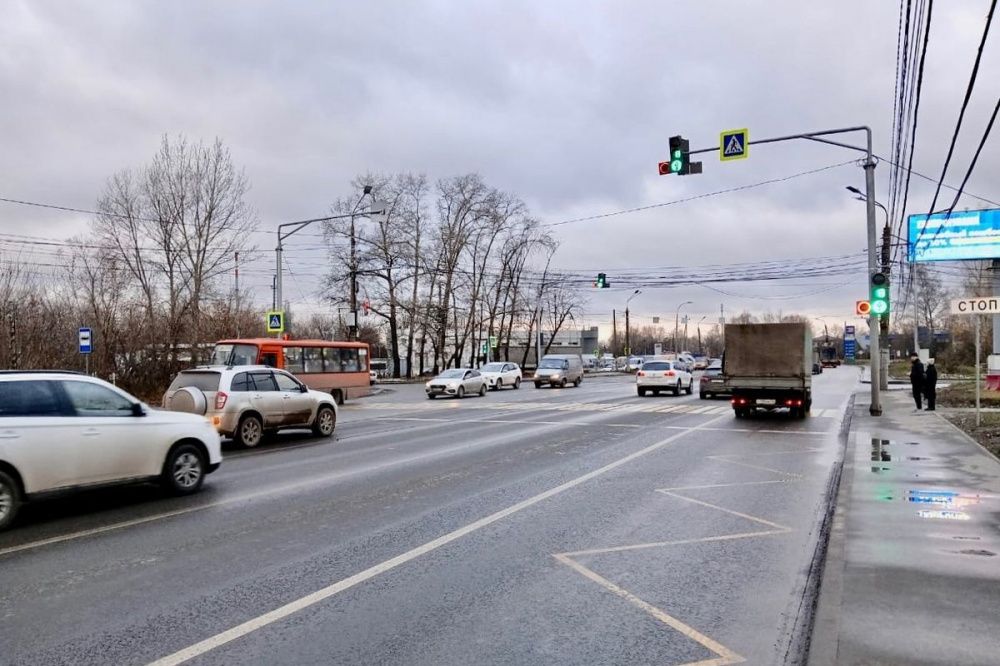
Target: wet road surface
(573,526)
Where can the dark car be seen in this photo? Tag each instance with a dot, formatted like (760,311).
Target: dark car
(711,384)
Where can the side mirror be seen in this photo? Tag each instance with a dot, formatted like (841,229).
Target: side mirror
(138,409)
(303,388)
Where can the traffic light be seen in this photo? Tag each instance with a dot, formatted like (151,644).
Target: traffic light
(602,281)
(879,294)
(862,308)
(680,160)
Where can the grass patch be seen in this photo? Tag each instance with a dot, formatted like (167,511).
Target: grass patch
(987,433)
(963,394)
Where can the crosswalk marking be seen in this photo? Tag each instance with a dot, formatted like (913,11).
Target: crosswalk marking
(644,406)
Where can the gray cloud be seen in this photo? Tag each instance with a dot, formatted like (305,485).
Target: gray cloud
(567,104)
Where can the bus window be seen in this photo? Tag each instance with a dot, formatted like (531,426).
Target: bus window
(349,360)
(331,359)
(270,359)
(293,359)
(312,359)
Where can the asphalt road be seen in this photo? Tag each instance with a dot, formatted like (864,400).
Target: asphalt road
(563,526)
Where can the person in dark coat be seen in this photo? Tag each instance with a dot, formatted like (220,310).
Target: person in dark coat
(930,385)
(917,380)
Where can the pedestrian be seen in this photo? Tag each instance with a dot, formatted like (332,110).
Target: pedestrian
(917,379)
(930,384)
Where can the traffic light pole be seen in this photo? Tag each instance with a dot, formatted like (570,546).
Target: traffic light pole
(869,165)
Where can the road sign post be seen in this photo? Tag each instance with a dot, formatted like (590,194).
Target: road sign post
(85,344)
(976,305)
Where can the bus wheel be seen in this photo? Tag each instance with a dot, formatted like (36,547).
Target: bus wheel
(338,396)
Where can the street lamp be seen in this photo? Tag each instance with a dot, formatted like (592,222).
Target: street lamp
(294,227)
(628,348)
(700,349)
(677,322)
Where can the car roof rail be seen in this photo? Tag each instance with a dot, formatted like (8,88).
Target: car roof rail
(42,372)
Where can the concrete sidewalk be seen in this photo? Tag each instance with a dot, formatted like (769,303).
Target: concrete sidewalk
(912,572)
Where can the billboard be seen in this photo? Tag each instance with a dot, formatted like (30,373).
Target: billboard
(971,234)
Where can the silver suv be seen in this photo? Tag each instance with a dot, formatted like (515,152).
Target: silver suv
(245,402)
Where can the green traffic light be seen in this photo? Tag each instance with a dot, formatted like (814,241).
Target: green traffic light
(677,154)
(675,165)
(879,307)
(879,292)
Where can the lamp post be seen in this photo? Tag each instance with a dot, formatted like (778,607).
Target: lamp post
(883,328)
(677,321)
(628,348)
(700,349)
(377,207)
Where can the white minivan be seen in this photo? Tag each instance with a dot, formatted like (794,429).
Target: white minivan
(559,370)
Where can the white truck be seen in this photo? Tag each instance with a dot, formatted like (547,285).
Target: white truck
(769,366)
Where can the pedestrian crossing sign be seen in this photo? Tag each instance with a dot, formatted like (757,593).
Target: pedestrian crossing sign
(734,144)
(276,321)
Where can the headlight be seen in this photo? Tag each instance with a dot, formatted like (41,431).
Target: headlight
(555,375)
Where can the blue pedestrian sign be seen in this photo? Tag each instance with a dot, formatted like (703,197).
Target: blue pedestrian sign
(276,321)
(734,144)
(85,339)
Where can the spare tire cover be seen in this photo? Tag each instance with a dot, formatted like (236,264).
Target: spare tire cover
(188,399)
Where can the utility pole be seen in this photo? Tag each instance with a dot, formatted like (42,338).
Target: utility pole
(237,290)
(628,344)
(614,332)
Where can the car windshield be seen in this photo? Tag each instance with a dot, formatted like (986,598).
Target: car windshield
(655,365)
(493,367)
(713,372)
(204,380)
(553,363)
(457,373)
(231,354)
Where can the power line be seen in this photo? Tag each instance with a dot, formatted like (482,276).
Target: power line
(696,197)
(965,104)
(975,158)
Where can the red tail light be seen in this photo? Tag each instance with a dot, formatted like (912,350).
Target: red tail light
(220,399)
(739,401)
(640,374)
(671,373)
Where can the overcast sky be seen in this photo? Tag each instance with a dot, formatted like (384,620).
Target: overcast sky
(567,104)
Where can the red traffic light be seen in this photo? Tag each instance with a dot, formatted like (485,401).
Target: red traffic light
(863,308)
(665,169)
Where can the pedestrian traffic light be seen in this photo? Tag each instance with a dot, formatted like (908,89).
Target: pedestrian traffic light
(602,281)
(680,160)
(879,294)
(862,308)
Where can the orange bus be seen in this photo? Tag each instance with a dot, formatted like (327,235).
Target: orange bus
(338,368)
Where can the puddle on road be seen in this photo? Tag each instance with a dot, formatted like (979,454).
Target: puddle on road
(980,552)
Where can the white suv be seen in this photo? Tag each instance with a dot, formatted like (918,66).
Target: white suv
(500,374)
(659,376)
(246,401)
(61,430)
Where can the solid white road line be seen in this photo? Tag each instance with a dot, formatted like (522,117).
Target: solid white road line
(322,594)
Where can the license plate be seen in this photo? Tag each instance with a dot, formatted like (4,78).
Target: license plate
(765,401)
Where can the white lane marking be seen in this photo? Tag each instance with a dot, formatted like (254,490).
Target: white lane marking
(726,656)
(322,594)
(298,485)
(678,542)
(755,519)
(514,421)
(809,433)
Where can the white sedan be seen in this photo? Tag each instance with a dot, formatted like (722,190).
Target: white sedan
(499,375)
(659,376)
(61,431)
(457,382)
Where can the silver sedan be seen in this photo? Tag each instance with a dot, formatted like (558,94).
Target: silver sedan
(457,382)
